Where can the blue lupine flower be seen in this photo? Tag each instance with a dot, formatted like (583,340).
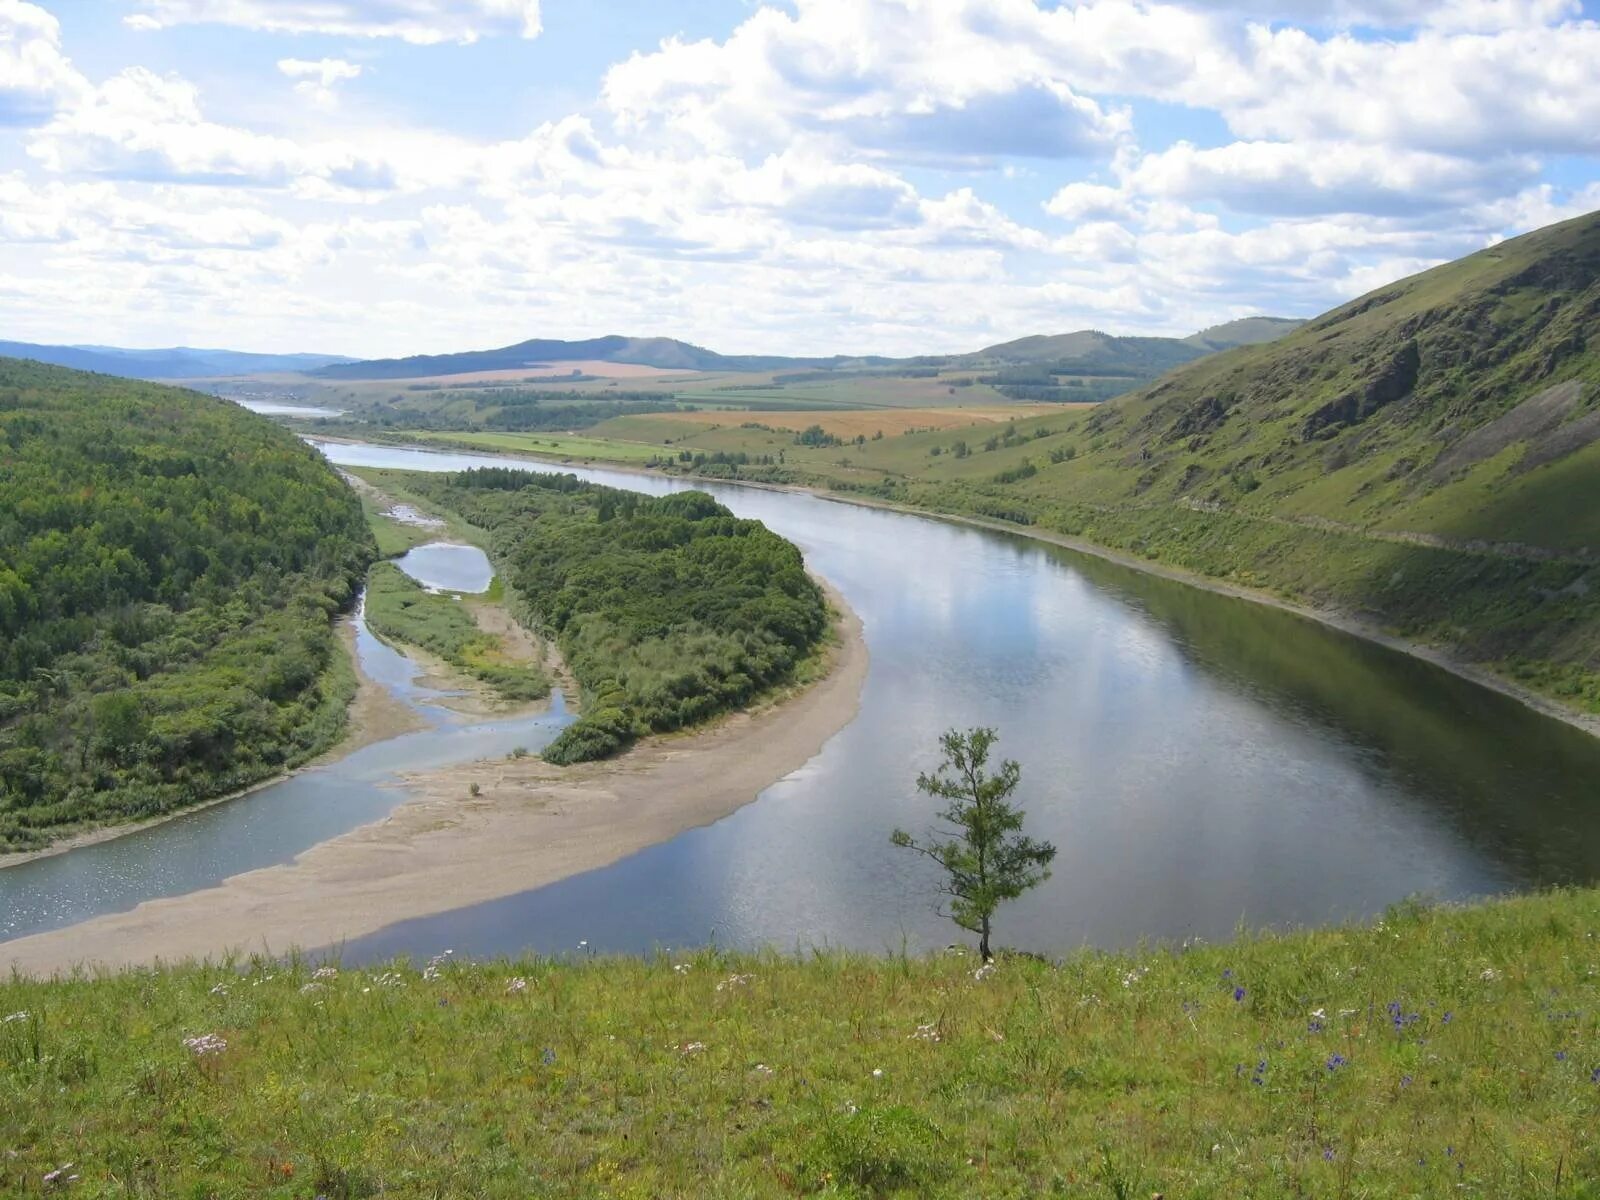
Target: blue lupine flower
(548,1058)
(1405,1081)
(1561,1056)
(1238,994)
(1335,1061)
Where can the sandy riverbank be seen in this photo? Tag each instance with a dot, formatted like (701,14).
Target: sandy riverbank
(532,824)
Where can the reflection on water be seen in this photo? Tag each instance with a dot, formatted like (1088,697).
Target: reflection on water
(448,567)
(269,826)
(1199,762)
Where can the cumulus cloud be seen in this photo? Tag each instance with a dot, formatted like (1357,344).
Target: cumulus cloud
(35,77)
(896,79)
(423,22)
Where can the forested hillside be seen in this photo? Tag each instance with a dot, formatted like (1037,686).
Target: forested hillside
(169,565)
(668,610)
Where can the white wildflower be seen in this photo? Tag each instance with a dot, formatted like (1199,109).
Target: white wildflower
(1133,976)
(1489,975)
(59,1175)
(733,981)
(311,988)
(205,1044)
(517,984)
(984,972)
(761,1069)
(877,1072)
(220,989)
(682,968)
(926,1033)
(1348,1012)
(1319,1014)
(325,973)
(689,1048)
(16,1016)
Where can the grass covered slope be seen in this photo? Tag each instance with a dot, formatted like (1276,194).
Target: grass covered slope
(1435,1053)
(169,564)
(668,611)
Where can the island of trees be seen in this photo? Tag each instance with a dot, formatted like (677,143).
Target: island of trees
(668,611)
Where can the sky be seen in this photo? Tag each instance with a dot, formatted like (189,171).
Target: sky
(389,177)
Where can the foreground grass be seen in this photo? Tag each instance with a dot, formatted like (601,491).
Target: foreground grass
(1431,1054)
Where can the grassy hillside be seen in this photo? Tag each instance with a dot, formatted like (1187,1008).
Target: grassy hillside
(1427,457)
(1430,1054)
(169,565)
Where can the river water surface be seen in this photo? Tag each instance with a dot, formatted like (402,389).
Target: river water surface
(1200,762)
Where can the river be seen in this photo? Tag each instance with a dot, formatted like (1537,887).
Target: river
(1200,762)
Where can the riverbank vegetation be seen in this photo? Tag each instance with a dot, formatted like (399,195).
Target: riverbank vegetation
(668,611)
(398,608)
(1433,1053)
(169,568)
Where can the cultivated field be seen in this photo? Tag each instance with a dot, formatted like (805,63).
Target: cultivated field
(845,423)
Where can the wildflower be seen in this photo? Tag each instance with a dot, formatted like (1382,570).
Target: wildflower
(1489,975)
(1228,974)
(59,1175)
(1238,994)
(309,988)
(16,1016)
(1315,1026)
(682,968)
(1405,1081)
(548,1058)
(1327,1154)
(220,990)
(987,970)
(435,967)
(1448,1017)
(1335,1061)
(761,1069)
(734,981)
(927,1033)
(1319,1014)
(1133,976)
(325,973)
(205,1044)
(877,1072)
(1561,1056)
(1594,1075)
(518,984)
(689,1048)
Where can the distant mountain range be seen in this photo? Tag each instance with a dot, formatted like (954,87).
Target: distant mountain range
(1088,350)
(1133,355)
(179,362)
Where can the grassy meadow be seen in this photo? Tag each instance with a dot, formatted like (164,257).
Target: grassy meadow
(1432,1053)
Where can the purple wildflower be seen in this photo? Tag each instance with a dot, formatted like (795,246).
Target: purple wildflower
(1327,1154)
(1335,1061)
(1238,994)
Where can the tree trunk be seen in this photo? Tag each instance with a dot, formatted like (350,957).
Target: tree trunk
(983,941)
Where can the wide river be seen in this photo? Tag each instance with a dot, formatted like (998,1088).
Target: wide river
(1200,762)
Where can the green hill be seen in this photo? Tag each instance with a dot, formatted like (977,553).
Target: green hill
(168,567)
(1425,458)
(1247,331)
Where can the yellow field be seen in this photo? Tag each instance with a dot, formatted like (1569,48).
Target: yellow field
(847,423)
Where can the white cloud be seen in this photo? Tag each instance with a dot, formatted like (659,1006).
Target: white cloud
(35,77)
(895,79)
(317,80)
(423,22)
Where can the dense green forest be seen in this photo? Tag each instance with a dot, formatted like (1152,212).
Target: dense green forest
(169,564)
(401,609)
(668,611)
